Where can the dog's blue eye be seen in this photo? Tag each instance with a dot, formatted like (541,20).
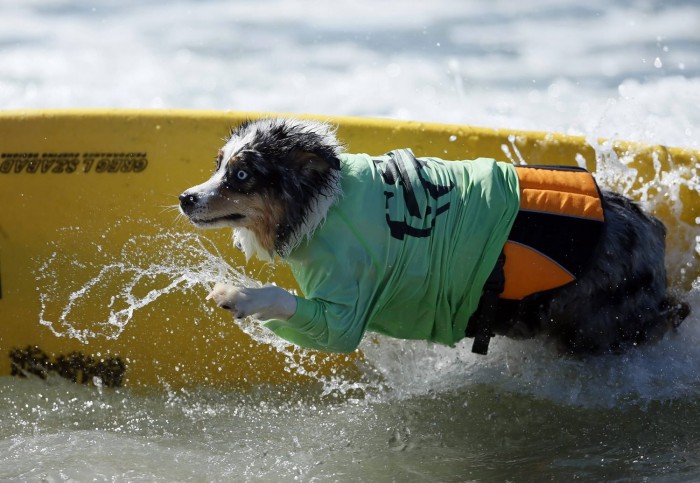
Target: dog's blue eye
(241,175)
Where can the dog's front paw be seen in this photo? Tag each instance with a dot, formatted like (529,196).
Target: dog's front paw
(225,296)
(265,303)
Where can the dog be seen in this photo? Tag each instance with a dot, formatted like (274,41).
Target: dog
(414,248)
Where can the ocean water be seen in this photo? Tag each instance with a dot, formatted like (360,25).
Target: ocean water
(616,69)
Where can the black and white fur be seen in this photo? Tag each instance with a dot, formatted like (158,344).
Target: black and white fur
(620,301)
(276,179)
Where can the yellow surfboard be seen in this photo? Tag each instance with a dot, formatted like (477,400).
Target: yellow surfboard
(101,281)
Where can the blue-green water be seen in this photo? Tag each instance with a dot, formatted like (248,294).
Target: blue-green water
(528,420)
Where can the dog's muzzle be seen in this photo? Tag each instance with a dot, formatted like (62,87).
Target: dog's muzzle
(188,201)
(194,206)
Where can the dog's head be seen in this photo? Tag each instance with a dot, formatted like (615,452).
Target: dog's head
(274,181)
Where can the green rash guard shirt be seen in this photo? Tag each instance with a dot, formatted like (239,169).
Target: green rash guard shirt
(405,251)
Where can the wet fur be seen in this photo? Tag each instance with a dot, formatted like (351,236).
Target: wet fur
(622,300)
(293,178)
(282,201)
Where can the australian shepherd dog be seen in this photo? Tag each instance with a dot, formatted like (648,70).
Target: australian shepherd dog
(276,179)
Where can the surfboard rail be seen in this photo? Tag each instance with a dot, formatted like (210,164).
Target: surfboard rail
(95,281)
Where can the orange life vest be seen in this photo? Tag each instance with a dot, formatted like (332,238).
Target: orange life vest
(551,243)
(556,231)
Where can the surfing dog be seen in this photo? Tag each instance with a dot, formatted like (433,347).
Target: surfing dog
(287,189)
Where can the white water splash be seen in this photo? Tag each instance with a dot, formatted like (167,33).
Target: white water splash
(140,280)
(119,286)
(666,370)
(658,194)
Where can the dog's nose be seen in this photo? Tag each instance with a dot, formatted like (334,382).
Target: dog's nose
(188,200)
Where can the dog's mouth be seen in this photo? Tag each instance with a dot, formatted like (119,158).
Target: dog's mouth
(232,218)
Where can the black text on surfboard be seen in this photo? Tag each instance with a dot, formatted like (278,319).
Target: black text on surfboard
(71,162)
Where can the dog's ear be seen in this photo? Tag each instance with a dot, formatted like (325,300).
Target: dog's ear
(308,161)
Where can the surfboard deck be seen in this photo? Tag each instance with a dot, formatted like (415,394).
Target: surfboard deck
(95,267)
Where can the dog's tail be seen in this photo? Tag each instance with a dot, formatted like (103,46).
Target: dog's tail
(674,310)
(671,313)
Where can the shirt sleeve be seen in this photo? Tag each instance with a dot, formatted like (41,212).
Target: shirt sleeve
(333,315)
(322,325)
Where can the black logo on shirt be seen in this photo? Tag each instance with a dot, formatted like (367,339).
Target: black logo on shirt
(395,168)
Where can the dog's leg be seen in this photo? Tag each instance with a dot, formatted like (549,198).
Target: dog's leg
(264,303)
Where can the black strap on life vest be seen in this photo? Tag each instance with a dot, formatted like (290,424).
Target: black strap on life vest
(479,326)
